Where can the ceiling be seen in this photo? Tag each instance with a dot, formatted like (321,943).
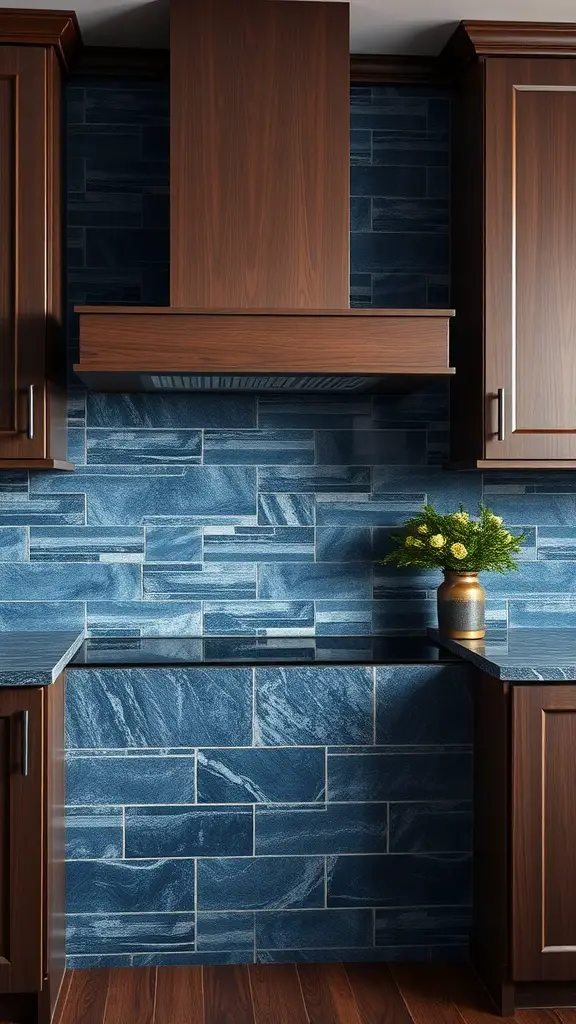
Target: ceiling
(377,26)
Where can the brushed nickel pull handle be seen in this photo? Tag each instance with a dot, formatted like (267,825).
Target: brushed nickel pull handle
(501,414)
(31,412)
(24,722)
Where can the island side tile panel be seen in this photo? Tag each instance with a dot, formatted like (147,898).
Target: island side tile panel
(229,815)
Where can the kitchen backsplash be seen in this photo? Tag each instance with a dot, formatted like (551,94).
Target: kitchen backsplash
(248,515)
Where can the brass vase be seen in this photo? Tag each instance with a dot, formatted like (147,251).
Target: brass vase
(461,606)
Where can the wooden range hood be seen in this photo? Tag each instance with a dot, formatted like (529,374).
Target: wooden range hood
(259,272)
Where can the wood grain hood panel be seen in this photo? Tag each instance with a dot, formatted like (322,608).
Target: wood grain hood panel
(259,270)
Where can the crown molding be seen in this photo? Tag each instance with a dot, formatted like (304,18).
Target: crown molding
(42,28)
(374,69)
(508,38)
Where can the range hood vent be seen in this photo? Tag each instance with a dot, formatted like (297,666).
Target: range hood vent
(259,221)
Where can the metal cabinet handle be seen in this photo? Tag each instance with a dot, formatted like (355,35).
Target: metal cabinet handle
(501,414)
(24,722)
(31,412)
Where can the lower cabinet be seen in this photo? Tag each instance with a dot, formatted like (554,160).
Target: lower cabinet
(32,879)
(524,934)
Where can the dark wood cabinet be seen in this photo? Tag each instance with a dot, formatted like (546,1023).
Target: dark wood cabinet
(32,345)
(514,249)
(524,932)
(32,885)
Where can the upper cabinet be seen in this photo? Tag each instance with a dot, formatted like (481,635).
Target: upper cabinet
(33,53)
(513,340)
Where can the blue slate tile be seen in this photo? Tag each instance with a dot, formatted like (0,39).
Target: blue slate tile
(411,149)
(360,95)
(413,775)
(173,544)
(94,833)
(406,879)
(13,481)
(309,929)
(261,775)
(129,887)
(422,925)
(413,615)
(357,510)
(438,290)
(189,831)
(358,954)
(163,580)
(339,412)
(126,247)
(258,543)
(534,509)
(438,182)
(170,411)
(17,508)
(222,931)
(259,447)
(36,616)
(386,181)
(554,543)
(431,827)
(376,447)
(350,580)
(360,146)
(76,247)
(255,883)
(126,106)
(104,210)
(13,544)
(533,579)
(558,611)
(56,582)
(105,960)
(423,704)
(360,213)
(150,618)
(375,252)
(76,450)
(391,112)
(167,707)
(398,291)
(258,618)
(144,447)
(409,583)
(360,290)
(301,706)
(428,407)
(438,113)
(155,207)
(409,215)
(328,828)
(337,618)
(285,510)
(341,544)
(323,479)
(170,496)
(210,958)
(121,780)
(129,933)
(86,544)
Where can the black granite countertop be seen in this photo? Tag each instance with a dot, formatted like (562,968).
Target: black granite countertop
(521,655)
(362,650)
(36,659)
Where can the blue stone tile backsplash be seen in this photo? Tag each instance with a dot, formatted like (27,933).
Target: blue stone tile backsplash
(225,815)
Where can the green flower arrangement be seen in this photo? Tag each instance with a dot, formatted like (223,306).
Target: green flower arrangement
(456,542)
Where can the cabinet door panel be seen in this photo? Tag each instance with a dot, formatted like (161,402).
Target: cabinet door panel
(544,833)
(21,839)
(530,257)
(23,258)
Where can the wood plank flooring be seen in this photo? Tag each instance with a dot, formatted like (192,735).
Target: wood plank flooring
(288,994)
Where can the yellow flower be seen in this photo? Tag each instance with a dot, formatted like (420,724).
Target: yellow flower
(423,528)
(461,517)
(437,541)
(458,550)
(496,519)
(507,536)
(409,541)
(418,543)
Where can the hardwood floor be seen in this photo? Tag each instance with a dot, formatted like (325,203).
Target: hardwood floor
(288,994)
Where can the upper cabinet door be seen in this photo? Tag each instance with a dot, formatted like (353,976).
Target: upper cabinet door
(530,259)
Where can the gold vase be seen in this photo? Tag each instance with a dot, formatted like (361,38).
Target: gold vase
(461,606)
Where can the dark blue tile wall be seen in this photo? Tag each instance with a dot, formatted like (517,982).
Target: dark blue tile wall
(218,816)
(326,823)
